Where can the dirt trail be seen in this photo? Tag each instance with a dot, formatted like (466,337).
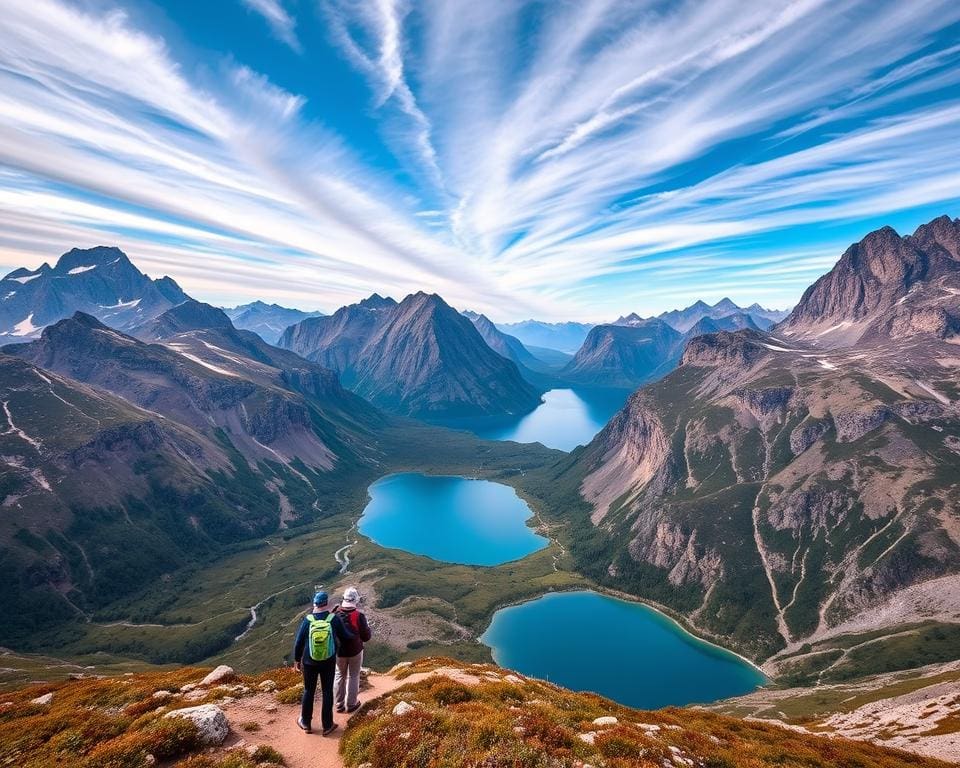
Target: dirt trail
(279,728)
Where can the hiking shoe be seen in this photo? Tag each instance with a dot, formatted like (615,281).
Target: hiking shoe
(303,725)
(341,709)
(354,707)
(331,729)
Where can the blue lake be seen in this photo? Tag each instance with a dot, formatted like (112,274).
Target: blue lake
(624,651)
(566,418)
(453,519)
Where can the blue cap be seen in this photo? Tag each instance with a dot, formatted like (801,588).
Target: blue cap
(320,598)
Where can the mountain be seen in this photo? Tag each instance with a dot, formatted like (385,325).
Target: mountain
(885,287)
(684,319)
(101,496)
(780,495)
(540,373)
(268,321)
(624,356)
(271,404)
(733,322)
(419,357)
(99,281)
(209,438)
(564,337)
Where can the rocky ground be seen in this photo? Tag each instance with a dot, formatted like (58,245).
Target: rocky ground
(432,713)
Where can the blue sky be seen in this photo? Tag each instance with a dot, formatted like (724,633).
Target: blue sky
(565,159)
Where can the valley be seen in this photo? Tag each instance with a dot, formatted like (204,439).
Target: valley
(179,487)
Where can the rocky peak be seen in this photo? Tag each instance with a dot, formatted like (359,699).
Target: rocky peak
(79,258)
(192,315)
(739,348)
(871,282)
(940,237)
(376,301)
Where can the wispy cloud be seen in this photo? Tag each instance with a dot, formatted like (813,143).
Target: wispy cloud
(567,159)
(282,24)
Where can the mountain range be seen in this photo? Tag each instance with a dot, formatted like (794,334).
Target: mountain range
(783,489)
(98,281)
(563,337)
(209,437)
(419,357)
(268,321)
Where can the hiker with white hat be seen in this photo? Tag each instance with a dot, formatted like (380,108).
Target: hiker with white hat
(346,682)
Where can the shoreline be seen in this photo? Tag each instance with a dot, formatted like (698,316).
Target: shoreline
(542,528)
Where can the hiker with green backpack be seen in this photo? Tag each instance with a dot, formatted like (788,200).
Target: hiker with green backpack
(315,653)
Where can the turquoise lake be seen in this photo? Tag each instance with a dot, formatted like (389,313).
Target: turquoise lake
(566,418)
(453,519)
(625,651)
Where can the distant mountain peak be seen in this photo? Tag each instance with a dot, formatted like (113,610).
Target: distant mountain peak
(376,301)
(100,281)
(419,357)
(77,260)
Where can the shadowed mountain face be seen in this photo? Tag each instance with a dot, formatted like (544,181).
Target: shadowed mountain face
(98,281)
(734,322)
(268,321)
(625,356)
(778,492)
(419,358)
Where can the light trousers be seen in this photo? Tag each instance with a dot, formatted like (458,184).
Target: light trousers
(346,682)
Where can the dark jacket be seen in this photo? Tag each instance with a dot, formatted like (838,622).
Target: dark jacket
(357,623)
(341,634)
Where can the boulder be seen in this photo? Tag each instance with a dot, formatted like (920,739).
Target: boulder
(589,737)
(608,720)
(402,708)
(210,721)
(219,675)
(43,700)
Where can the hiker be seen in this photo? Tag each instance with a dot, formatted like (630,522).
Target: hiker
(315,653)
(346,685)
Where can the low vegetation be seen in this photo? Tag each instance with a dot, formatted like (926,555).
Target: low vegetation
(481,715)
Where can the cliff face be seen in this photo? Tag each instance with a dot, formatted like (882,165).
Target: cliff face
(419,358)
(885,286)
(813,484)
(775,491)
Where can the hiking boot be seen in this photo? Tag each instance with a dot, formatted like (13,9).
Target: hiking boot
(331,729)
(354,707)
(303,725)
(341,709)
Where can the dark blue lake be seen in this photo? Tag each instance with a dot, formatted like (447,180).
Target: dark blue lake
(454,519)
(566,418)
(624,651)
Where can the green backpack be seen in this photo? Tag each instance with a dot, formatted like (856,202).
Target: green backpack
(321,646)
